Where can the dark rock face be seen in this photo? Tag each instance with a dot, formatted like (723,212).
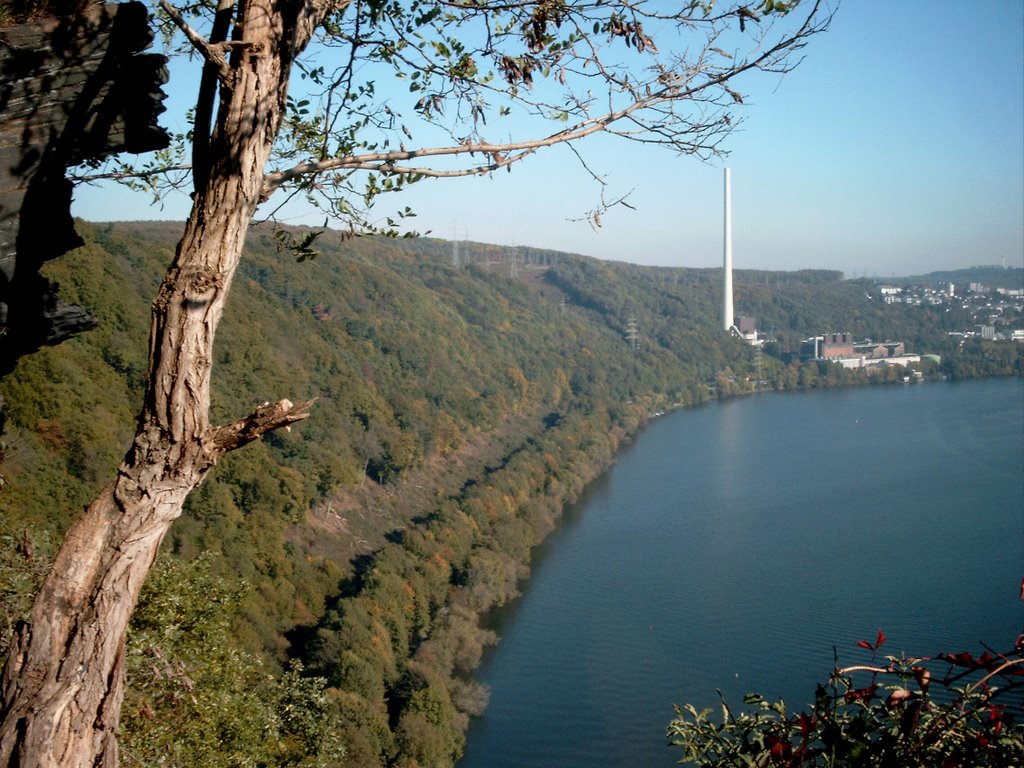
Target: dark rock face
(73,88)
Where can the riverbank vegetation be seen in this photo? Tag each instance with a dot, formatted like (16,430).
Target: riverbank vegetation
(322,593)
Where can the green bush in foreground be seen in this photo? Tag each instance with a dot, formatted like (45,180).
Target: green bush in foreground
(949,711)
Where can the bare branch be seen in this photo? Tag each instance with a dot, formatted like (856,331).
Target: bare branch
(386,160)
(499,159)
(91,178)
(593,217)
(1000,670)
(649,116)
(265,418)
(213,53)
(865,668)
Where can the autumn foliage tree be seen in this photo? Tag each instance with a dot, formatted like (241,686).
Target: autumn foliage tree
(288,105)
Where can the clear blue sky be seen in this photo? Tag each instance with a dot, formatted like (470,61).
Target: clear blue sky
(895,148)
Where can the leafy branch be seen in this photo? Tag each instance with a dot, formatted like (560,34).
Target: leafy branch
(948,710)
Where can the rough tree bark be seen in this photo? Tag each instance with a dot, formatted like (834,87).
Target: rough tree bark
(63,682)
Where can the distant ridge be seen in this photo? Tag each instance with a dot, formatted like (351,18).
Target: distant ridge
(482,253)
(991,276)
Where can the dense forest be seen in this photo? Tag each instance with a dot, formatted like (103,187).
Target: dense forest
(320,601)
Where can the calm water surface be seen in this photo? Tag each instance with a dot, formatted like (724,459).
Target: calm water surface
(735,544)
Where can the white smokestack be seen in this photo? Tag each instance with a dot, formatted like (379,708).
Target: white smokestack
(727,318)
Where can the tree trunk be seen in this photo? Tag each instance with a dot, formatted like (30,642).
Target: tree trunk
(64,678)
(63,681)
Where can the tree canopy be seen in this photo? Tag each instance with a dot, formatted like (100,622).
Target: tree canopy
(384,94)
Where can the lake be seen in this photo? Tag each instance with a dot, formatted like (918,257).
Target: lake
(735,545)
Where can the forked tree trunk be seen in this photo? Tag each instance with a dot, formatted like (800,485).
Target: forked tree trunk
(63,681)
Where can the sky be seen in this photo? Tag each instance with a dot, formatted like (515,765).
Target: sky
(895,148)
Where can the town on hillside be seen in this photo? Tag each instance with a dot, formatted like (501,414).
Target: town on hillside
(994,314)
(997,313)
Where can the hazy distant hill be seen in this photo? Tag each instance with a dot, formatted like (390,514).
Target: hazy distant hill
(990,277)
(465,394)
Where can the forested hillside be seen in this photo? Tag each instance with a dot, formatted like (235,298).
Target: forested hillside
(322,593)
